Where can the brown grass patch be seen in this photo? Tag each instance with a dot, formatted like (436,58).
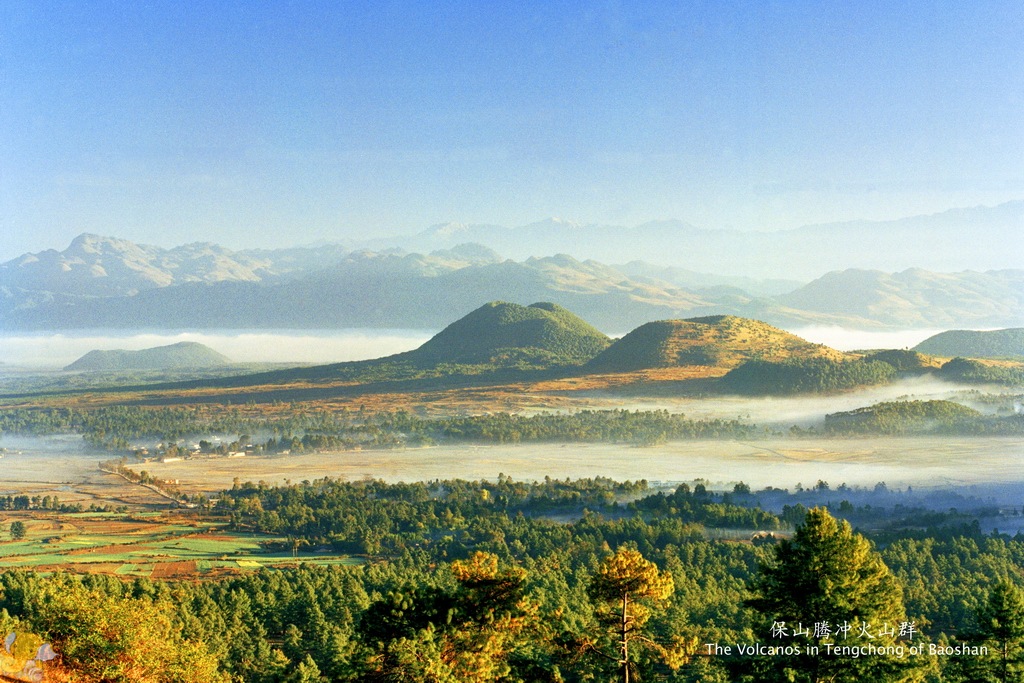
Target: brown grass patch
(175,570)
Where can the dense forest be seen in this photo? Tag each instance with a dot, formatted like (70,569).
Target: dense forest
(590,580)
(805,375)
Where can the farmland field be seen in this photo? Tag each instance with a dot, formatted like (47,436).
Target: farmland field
(156,546)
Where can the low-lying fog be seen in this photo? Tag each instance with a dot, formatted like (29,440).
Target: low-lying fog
(46,350)
(53,351)
(805,411)
(987,468)
(849,340)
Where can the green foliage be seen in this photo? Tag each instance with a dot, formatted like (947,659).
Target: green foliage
(827,575)
(506,517)
(499,332)
(119,640)
(903,417)
(804,376)
(516,581)
(903,361)
(975,372)
(975,344)
(17,530)
(465,633)
(116,427)
(1000,629)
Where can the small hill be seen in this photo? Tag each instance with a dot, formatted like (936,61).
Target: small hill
(183,355)
(975,344)
(904,361)
(500,332)
(901,417)
(971,371)
(804,376)
(721,341)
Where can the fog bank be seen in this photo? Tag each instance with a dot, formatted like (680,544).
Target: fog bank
(845,339)
(243,346)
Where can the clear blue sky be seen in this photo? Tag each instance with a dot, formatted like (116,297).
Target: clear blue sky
(288,122)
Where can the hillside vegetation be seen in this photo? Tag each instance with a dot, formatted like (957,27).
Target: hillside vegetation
(804,376)
(501,331)
(904,361)
(976,372)
(902,417)
(721,341)
(975,344)
(498,336)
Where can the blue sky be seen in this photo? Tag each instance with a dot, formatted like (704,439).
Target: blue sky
(275,123)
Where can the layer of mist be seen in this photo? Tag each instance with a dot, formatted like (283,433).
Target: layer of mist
(52,351)
(845,339)
(808,410)
(983,468)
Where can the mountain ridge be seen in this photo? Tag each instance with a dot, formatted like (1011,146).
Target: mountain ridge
(106,282)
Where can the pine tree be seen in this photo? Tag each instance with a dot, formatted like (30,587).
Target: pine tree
(1002,620)
(827,588)
(1001,629)
(626,589)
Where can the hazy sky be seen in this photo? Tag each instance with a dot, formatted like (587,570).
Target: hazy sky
(288,122)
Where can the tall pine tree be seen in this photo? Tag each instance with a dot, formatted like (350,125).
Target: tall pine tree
(825,589)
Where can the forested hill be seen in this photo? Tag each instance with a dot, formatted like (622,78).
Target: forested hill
(500,330)
(975,343)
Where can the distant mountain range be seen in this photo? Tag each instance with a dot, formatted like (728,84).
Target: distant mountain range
(101,282)
(978,238)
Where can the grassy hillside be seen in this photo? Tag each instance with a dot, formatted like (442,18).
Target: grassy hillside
(721,341)
(976,344)
(183,355)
